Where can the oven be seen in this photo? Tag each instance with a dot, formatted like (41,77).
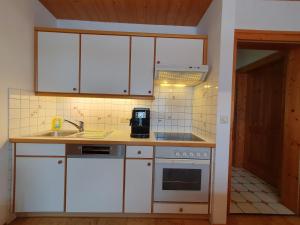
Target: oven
(182,174)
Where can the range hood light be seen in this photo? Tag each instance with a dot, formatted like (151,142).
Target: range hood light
(180,75)
(172,85)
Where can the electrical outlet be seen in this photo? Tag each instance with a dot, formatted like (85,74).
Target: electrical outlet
(223,119)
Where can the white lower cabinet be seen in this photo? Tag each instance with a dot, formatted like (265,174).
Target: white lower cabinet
(138,186)
(180,208)
(39,184)
(95,185)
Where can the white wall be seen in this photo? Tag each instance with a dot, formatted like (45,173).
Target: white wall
(88,25)
(16,70)
(247,56)
(42,17)
(219,23)
(268,15)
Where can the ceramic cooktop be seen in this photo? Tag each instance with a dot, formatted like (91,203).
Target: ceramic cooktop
(169,136)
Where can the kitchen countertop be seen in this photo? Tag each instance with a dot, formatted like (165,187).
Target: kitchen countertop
(116,137)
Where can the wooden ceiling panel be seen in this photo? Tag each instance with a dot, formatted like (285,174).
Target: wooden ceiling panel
(159,12)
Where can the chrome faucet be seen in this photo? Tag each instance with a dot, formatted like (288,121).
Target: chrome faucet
(80,127)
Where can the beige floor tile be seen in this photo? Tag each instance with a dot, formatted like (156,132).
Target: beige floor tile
(237,197)
(252,187)
(263,208)
(264,187)
(253,180)
(250,197)
(263,197)
(242,180)
(267,197)
(239,187)
(280,209)
(234,208)
(234,180)
(247,208)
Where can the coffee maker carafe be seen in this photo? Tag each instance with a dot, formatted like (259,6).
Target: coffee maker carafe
(140,123)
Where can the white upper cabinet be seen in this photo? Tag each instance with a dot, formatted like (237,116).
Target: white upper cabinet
(58,62)
(142,66)
(105,64)
(179,52)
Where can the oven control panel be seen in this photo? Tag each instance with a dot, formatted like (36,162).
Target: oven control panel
(192,155)
(182,153)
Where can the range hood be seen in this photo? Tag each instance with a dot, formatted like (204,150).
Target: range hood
(181,76)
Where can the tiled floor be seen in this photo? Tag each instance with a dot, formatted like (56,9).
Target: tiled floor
(250,194)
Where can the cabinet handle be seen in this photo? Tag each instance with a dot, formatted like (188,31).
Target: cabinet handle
(149,92)
(124,91)
(59,162)
(148,164)
(158,62)
(139,152)
(180,209)
(74,89)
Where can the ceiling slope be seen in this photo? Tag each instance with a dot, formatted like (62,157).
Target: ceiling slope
(158,12)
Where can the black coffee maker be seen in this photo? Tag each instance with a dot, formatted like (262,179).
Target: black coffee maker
(140,123)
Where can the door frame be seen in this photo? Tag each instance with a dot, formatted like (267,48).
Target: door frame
(256,36)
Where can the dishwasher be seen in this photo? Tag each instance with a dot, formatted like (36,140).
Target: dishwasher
(94,181)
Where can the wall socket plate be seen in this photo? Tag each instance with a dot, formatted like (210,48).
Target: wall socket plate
(223,119)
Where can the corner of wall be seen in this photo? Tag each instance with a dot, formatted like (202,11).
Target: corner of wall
(42,17)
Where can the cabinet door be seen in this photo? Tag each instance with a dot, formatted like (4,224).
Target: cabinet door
(142,66)
(104,64)
(179,52)
(95,185)
(58,62)
(138,186)
(39,184)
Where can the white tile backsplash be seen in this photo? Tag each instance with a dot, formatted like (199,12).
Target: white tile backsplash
(172,110)
(205,110)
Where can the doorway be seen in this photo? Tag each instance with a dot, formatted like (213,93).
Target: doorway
(264,167)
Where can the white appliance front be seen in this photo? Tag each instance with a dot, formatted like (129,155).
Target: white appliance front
(181,180)
(95,185)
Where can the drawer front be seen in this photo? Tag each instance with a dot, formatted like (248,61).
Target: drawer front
(180,208)
(40,149)
(139,152)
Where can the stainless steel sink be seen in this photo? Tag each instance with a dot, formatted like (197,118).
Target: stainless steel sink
(92,134)
(75,134)
(61,133)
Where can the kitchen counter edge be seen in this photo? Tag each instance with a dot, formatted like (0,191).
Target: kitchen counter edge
(103,141)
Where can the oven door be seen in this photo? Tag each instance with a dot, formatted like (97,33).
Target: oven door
(181,180)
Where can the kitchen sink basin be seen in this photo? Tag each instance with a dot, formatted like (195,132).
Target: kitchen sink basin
(75,134)
(61,133)
(92,134)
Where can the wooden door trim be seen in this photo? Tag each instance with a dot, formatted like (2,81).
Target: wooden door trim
(205,48)
(267,36)
(252,36)
(120,33)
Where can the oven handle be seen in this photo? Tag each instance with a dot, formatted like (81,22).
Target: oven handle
(183,161)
